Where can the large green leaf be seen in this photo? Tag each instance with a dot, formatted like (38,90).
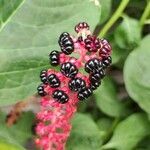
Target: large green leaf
(129,132)
(9,146)
(84,135)
(30,35)
(137,74)
(17,134)
(104,125)
(7,9)
(105,10)
(144,144)
(128,33)
(107,100)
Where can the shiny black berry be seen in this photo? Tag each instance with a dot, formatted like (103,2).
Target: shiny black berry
(95,85)
(54,58)
(102,73)
(53,81)
(77,84)
(84,94)
(41,91)
(93,65)
(66,43)
(43,76)
(69,70)
(64,34)
(60,96)
(95,77)
(107,61)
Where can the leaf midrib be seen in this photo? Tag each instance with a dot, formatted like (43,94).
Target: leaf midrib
(9,18)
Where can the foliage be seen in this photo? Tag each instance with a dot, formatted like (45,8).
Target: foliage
(118,115)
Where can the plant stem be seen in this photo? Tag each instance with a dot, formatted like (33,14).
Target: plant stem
(114,18)
(110,131)
(147,21)
(145,14)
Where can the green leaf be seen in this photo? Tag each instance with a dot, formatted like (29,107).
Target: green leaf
(107,101)
(117,54)
(17,134)
(30,35)
(129,132)
(7,9)
(84,135)
(144,144)
(8,146)
(128,33)
(104,125)
(22,130)
(105,10)
(137,74)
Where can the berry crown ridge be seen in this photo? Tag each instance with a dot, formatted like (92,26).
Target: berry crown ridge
(85,51)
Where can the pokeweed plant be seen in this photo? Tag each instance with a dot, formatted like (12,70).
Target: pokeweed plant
(29,31)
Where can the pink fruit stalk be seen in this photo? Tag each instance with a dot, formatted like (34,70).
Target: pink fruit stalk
(62,90)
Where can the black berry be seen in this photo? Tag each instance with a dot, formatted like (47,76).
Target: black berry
(41,91)
(102,73)
(54,58)
(95,85)
(64,34)
(66,43)
(76,84)
(95,77)
(93,65)
(53,81)
(60,96)
(84,93)
(69,70)
(43,76)
(107,61)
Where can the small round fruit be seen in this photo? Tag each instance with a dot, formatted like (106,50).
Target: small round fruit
(95,85)
(105,49)
(54,58)
(41,91)
(84,94)
(80,26)
(93,65)
(92,43)
(60,96)
(77,84)
(43,76)
(107,61)
(53,81)
(66,43)
(69,70)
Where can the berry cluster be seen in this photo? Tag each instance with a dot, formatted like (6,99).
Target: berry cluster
(93,54)
(61,90)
